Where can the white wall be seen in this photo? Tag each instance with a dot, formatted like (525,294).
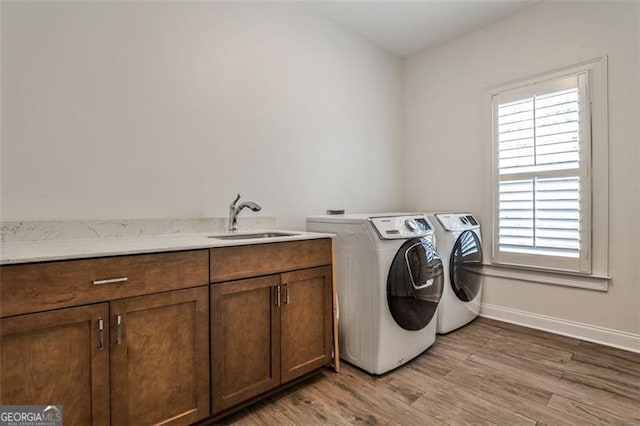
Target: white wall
(116,110)
(445,142)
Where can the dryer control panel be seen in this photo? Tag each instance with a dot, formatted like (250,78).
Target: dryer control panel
(457,221)
(401,227)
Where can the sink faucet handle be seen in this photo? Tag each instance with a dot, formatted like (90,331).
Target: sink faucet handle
(236,200)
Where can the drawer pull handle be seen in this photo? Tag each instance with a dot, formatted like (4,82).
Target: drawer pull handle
(119,329)
(101,334)
(278,296)
(110,281)
(286,294)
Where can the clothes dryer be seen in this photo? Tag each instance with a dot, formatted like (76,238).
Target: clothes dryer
(459,243)
(389,279)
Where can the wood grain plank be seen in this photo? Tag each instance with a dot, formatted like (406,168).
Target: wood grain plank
(445,411)
(346,406)
(464,346)
(542,338)
(610,384)
(622,379)
(587,412)
(450,351)
(530,333)
(512,396)
(613,360)
(517,361)
(389,394)
(500,381)
(570,389)
(480,330)
(434,366)
(607,351)
(529,349)
(274,414)
(458,396)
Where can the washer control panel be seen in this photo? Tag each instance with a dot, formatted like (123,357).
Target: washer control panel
(457,221)
(401,227)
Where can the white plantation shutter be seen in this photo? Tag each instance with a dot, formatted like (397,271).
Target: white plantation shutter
(542,149)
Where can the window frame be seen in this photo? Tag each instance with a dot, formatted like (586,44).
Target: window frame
(593,173)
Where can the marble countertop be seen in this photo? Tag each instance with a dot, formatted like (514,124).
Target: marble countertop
(14,252)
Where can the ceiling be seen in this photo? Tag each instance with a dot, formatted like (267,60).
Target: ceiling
(405,27)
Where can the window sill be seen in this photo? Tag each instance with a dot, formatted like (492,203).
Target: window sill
(590,282)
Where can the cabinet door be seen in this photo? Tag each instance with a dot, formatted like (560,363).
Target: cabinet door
(245,339)
(58,358)
(306,329)
(160,358)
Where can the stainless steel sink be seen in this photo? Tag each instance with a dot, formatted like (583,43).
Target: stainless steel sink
(259,235)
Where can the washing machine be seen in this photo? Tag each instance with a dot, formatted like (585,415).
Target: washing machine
(459,243)
(389,280)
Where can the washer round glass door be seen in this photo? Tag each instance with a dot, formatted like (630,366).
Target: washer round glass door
(415,284)
(466,258)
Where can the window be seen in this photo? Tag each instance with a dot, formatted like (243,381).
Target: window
(542,171)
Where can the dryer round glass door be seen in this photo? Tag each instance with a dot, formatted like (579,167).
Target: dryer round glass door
(415,284)
(466,259)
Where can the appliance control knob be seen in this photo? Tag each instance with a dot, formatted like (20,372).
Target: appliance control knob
(411,225)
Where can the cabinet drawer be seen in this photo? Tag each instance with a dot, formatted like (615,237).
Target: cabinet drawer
(52,285)
(232,263)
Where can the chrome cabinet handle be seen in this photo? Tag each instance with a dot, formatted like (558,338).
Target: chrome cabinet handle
(278,296)
(286,294)
(119,329)
(101,334)
(110,281)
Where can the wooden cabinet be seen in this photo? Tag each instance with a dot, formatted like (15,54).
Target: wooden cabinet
(245,321)
(160,358)
(306,321)
(131,360)
(268,331)
(59,357)
(127,340)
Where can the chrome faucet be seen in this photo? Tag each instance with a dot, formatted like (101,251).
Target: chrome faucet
(234,211)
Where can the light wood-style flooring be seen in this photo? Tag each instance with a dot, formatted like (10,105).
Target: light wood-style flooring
(486,373)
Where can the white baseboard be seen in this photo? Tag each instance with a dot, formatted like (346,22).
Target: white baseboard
(591,333)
